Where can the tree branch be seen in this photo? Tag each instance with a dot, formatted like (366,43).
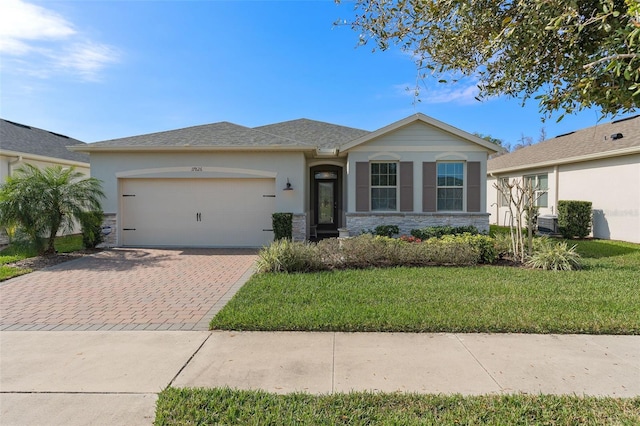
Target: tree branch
(610,57)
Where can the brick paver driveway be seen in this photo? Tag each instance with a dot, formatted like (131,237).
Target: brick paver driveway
(126,289)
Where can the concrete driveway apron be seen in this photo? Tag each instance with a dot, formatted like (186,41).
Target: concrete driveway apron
(126,289)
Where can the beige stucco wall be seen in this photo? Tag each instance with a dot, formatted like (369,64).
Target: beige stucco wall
(417,142)
(11,162)
(109,167)
(611,184)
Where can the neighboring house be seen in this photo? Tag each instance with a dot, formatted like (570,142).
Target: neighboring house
(21,144)
(600,164)
(218,184)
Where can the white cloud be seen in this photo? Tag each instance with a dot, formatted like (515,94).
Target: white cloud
(42,43)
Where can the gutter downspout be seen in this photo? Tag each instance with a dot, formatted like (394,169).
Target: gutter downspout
(12,162)
(556,171)
(497,201)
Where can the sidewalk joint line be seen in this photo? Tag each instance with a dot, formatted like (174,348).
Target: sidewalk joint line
(333,365)
(188,361)
(479,363)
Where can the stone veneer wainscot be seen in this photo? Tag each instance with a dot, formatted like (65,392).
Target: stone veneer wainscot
(358,222)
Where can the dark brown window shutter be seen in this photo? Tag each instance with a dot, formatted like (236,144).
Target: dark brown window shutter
(406,186)
(362,186)
(429,187)
(473,186)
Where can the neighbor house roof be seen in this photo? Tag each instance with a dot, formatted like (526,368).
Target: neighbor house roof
(22,139)
(583,145)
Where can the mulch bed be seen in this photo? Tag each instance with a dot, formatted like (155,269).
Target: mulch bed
(41,262)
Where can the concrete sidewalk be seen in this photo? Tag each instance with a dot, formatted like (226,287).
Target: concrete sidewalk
(114,377)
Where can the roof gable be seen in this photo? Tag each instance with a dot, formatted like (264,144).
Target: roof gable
(590,143)
(424,119)
(25,139)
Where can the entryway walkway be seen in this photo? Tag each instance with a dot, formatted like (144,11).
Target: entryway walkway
(126,289)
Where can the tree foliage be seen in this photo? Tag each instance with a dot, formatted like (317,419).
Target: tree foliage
(568,54)
(42,202)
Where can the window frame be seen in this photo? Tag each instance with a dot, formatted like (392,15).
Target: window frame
(538,192)
(503,201)
(463,187)
(395,187)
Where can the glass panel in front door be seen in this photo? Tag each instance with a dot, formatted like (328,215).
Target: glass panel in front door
(325,203)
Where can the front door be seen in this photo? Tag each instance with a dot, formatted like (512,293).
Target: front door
(326,205)
(326,184)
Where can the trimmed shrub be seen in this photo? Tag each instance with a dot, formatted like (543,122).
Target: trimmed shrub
(282,226)
(387,230)
(439,231)
(554,256)
(287,256)
(574,218)
(91,223)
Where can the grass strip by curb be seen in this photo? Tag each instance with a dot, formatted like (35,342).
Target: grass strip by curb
(225,406)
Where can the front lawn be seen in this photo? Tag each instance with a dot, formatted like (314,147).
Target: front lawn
(604,298)
(16,252)
(225,406)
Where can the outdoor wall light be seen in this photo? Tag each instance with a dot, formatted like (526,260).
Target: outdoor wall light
(288,187)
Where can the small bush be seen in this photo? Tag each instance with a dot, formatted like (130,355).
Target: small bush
(550,255)
(387,230)
(483,245)
(439,231)
(91,223)
(287,256)
(282,226)
(503,245)
(574,218)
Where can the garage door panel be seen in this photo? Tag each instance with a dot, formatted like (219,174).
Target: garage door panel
(197,212)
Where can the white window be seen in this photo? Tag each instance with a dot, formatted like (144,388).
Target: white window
(384,178)
(540,186)
(503,184)
(450,179)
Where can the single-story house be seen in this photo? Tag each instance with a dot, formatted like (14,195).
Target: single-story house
(219,184)
(600,164)
(21,144)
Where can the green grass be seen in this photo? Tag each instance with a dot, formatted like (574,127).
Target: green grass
(603,298)
(225,406)
(16,252)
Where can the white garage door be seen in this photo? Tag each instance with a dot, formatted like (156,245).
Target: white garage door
(197,212)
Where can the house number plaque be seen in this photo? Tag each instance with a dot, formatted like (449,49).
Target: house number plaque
(196,169)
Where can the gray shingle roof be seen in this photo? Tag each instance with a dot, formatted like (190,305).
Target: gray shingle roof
(31,140)
(582,143)
(314,133)
(223,134)
(301,133)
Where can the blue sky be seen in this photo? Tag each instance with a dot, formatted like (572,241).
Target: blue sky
(97,70)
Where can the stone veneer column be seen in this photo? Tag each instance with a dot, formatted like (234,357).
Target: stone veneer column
(110,219)
(299,227)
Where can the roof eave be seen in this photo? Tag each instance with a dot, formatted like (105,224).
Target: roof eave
(45,158)
(569,160)
(191,148)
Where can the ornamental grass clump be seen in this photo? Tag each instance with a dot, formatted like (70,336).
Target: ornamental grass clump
(549,255)
(288,256)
